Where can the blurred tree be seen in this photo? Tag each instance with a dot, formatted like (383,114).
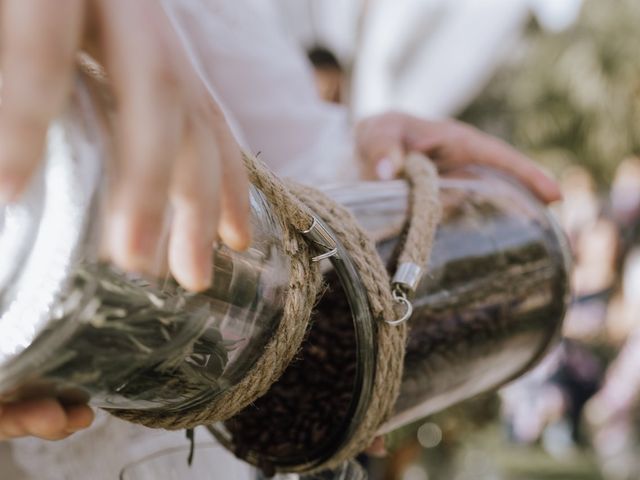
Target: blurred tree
(572,97)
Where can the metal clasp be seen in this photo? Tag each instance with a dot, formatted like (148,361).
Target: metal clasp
(400,296)
(405,280)
(321,239)
(407,276)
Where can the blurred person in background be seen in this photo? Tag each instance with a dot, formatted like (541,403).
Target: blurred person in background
(613,414)
(571,100)
(547,404)
(264,91)
(625,201)
(430,58)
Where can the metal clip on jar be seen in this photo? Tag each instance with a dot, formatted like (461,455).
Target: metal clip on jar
(489,306)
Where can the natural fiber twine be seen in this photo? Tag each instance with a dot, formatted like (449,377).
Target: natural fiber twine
(293,205)
(424,216)
(305,282)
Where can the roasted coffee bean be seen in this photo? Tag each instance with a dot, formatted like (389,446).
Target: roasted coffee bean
(303,410)
(476,298)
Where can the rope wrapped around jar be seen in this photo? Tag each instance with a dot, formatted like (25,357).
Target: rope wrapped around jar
(299,209)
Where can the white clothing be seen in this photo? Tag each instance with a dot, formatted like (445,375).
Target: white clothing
(431,57)
(426,57)
(266,84)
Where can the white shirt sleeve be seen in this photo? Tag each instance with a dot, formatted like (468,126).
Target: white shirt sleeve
(266,88)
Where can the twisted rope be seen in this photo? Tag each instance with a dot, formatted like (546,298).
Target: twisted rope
(292,206)
(305,281)
(424,216)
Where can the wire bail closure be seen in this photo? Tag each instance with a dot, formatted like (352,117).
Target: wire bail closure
(405,280)
(320,237)
(400,297)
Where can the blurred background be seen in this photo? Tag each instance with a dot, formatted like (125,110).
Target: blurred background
(560,80)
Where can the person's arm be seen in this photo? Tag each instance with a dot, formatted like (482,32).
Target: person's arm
(266,84)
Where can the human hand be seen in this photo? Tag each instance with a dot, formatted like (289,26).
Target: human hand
(175,157)
(383,140)
(44,418)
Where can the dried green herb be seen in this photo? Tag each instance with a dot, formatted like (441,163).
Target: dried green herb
(136,347)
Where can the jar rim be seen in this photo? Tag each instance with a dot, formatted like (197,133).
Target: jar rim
(365,330)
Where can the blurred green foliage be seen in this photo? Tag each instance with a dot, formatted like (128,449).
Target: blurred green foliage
(572,97)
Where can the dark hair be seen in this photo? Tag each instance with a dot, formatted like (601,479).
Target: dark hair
(321,57)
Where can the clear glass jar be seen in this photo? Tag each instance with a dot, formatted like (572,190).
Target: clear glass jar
(76,328)
(490,305)
(210,461)
(495,293)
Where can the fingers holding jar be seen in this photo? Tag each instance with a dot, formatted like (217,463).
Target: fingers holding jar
(382,141)
(47,419)
(177,171)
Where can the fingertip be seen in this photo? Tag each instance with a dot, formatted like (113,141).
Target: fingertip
(235,236)
(134,242)
(377,449)
(79,417)
(554,196)
(44,418)
(548,189)
(392,163)
(234,228)
(555,193)
(190,255)
(385,169)
(195,283)
(194,275)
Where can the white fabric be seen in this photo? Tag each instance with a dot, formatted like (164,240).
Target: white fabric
(432,57)
(267,86)
(332,24)
(101,453)
(426,57)
(270,99)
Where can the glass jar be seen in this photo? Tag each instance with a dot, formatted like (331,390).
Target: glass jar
(495,293)
(208,461)
(489,307)
(76,328)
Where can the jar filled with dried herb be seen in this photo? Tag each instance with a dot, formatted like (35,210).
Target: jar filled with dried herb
(75,327)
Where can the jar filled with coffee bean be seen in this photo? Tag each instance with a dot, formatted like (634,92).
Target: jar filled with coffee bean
(489,307)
